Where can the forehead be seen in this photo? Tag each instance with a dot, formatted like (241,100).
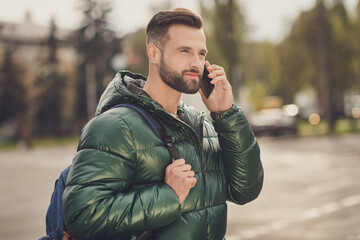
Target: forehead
(186,36)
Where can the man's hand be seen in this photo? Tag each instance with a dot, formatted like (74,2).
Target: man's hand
(221,99)
(180,178)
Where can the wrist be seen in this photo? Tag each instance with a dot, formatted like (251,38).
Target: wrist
(216,116)
(224,109)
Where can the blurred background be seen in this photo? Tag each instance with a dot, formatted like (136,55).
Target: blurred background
(294,67)
(298,58)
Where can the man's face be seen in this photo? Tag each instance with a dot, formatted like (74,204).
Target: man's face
(183,58)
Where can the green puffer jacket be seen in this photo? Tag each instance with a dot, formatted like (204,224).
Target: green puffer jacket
(115,186)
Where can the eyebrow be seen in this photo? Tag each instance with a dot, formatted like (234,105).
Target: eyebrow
(189,48)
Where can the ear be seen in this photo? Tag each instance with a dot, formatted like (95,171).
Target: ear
(153,53)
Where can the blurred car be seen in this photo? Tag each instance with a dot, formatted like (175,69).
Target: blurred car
(275,121)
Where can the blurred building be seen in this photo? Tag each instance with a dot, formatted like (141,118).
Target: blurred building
(29,42)
(29,47)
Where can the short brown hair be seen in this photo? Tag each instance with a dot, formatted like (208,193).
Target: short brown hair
(158,26)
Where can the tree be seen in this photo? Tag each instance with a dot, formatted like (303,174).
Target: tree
(96,44)
(13,97)
(323,41)
(356,30)
(135,51)
(229,27)
(296,57)
(261,72)
(319,53)
(342,55)
(50,87)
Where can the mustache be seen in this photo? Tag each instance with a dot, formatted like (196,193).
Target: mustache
(192,71)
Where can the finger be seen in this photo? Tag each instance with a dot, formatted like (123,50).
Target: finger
(218,79)
(214,67)
(179,162)
(189,174)
(207,64)
(192,182)
(184,168)
(216,73)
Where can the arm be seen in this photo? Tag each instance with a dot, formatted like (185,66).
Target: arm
(239,148)
(241,155)
(97,200)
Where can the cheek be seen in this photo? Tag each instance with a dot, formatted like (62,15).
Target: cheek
(176,63)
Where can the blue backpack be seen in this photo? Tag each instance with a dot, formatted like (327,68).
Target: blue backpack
(55,227)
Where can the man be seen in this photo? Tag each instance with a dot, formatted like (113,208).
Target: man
(123,181)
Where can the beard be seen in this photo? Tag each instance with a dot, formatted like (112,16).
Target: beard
(176,80)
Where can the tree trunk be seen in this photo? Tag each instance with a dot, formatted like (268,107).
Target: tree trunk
(324,60)
(90,89)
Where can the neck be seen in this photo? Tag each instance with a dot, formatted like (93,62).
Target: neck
(159,91)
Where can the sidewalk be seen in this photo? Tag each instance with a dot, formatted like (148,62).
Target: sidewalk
(26,182)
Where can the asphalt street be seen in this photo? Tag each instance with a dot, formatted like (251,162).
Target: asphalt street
(311,190)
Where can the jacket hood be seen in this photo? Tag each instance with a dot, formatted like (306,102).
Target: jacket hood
(126,87)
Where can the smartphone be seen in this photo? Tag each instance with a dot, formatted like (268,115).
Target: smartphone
(205,84)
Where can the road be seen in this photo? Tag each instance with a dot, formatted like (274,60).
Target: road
(311,191)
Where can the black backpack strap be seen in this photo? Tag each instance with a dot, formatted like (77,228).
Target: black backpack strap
(155,126)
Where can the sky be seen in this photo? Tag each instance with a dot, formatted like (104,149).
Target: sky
(267,19)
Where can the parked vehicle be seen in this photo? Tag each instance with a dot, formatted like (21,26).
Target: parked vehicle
(275,121)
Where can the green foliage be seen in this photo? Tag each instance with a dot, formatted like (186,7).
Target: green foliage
(49,102)
(261,71)
(298,57)
(215,54)
(229,26)
(342,52)
(13,96)
(50,88)
(265,68)
(356,44)
(96,44)
(301,50)
(135,51)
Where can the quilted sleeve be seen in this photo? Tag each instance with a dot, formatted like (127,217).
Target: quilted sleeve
(97,201)
(241,155)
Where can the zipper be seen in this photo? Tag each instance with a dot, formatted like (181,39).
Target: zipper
(199,149)
(198,144)
(201,133)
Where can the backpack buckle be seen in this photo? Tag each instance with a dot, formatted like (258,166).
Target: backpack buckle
(169,142)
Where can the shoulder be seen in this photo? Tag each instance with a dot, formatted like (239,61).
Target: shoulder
(113,119)
(111,130)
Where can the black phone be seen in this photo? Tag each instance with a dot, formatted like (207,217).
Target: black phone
(205,84)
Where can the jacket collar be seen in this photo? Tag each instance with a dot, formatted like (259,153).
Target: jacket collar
(128,87)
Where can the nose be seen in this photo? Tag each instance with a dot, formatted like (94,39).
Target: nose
(196,63)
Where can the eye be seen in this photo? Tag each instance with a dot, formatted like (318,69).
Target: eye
(184,50)
(202,55)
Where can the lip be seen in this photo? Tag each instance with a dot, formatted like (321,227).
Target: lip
(192,75)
